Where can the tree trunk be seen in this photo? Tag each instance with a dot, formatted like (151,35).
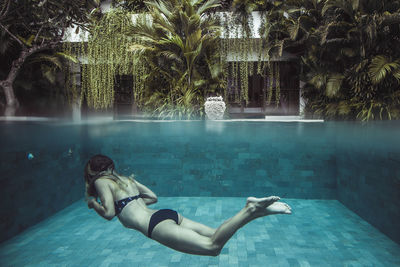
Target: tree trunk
(12,103)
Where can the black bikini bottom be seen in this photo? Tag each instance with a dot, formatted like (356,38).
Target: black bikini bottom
(160,216)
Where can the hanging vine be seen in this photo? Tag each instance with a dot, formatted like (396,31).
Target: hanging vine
(224,43)
(270,80)
(107,56)
(239,50)
(104,55)
(277,83)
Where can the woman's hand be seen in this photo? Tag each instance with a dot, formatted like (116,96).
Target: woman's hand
(91,203)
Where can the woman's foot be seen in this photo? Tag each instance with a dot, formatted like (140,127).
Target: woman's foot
(267,206)
(261,203)
(278,208)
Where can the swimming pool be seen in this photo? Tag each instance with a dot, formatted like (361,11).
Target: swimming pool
(356,164)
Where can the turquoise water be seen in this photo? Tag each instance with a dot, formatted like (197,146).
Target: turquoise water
(348,166)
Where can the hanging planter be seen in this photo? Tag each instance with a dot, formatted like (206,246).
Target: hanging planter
(215,108)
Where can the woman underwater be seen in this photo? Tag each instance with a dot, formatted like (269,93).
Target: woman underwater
(128,199)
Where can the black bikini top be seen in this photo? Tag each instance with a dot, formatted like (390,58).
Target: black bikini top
(120,204)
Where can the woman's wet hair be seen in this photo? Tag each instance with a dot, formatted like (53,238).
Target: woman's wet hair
(99,163)
(94,169)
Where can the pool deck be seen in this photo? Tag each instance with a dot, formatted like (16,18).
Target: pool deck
(318,233)
(94,120)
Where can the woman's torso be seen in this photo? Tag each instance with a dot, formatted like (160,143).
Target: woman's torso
(135,214)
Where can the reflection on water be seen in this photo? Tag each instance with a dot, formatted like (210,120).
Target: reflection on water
(215,126)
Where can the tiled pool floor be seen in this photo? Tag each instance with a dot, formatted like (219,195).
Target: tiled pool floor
(318,233)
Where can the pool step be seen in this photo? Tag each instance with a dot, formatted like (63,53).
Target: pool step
(290,118)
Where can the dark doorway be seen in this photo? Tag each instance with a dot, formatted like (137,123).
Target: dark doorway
(258,104)
(123,96)
(289,101)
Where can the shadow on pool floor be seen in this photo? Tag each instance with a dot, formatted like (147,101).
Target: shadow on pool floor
(318,233)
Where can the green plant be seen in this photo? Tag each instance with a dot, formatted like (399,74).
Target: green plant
(31,27)
(360,80)
(179,41)
(107,52)
(240,43)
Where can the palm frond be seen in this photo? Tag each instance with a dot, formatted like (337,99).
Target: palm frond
(207,5)
(140,49)
(54,60)
(379,68)
(160,6)
(318,80)
(396,75)
(331,109)
(171,55)
(334,84)
(344,108)
(68,57)
(344,5)
(173,40)
(49,73)
(293,29)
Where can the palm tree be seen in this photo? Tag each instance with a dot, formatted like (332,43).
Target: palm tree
(177,39)
(349,54)
(365,34)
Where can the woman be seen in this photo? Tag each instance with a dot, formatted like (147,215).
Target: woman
(128,199)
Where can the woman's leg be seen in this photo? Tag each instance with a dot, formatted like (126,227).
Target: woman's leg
(199,228)
(189,241)
(255,208)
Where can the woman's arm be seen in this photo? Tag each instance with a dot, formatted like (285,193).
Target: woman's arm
(149,197)
(106,208)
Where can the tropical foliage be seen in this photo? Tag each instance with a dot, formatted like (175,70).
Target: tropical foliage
(136,6)
(28,28)
(179,42)
(106,55)
(348,51)
(171,51)
(246,43)
(350,60)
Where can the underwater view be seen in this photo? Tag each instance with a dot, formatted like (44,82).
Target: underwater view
(199,133)
(341,180)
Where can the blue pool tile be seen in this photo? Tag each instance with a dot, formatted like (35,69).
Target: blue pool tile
(318,233)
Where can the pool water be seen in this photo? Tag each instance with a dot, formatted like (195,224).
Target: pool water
(341,178)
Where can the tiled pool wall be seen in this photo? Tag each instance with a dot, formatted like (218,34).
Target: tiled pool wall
(368,175)
(293,160)
(32,190)
(197,159)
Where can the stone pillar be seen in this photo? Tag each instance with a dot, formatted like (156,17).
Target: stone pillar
(302,102)
(76,110)
(76,104)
